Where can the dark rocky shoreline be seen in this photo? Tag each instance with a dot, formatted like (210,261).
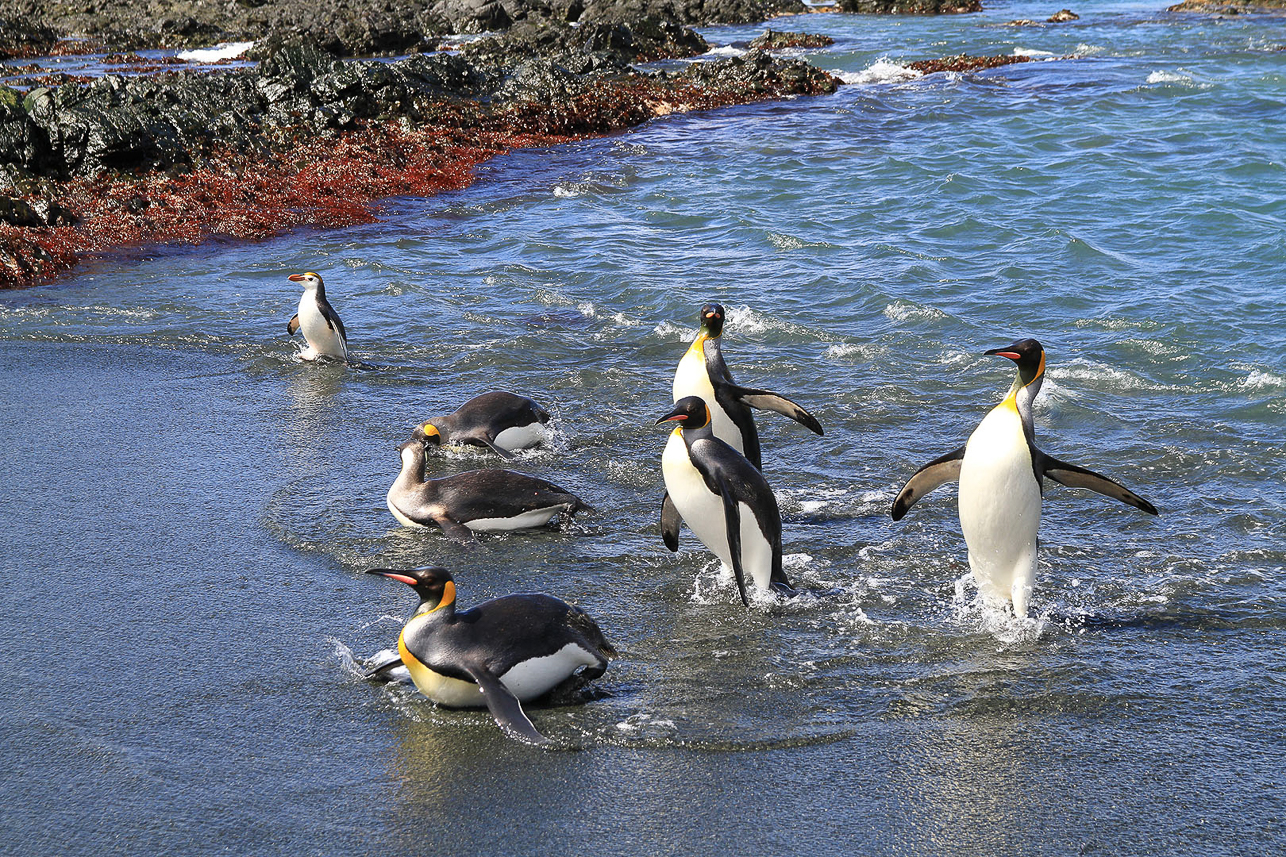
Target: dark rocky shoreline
(182,155)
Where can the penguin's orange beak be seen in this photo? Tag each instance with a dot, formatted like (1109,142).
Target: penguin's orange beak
(296,278)
(1001,352)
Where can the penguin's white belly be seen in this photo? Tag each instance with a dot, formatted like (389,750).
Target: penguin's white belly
(535,676)
(322,339)
(692,379)
(526,680)
(523,521)
(522,437)
(999,502)
(704,514)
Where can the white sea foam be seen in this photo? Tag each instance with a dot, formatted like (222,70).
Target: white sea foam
(1258,380)
(725,51)
(1033,53)
(883,70)
(904,311)
(224,51)
(1176,77)
(1084,50)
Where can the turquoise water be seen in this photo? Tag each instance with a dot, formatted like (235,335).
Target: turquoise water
(188,510)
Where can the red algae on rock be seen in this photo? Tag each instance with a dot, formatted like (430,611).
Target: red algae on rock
(296,179)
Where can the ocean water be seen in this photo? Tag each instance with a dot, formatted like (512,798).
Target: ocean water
(188,509)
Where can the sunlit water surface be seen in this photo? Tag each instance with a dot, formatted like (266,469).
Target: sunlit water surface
(188,509)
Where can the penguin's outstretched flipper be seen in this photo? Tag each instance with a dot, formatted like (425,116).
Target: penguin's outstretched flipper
(669,523)
(292,326)
(1078,477)
(506,708)
(939,471)
(766,401)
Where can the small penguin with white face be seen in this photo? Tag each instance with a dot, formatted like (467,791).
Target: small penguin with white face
(1001,475)
(500,421)
(322,329)
(478,500)
(703,373)
(723,498)
(501,653)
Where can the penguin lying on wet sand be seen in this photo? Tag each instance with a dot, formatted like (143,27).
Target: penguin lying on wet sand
(477,500)
(500,653)
(318,320)
(723,498)
(1001,475)
(500,421)
(703,373)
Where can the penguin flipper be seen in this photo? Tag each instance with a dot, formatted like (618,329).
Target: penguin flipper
(669,523)
(766,401)
(378,668)
(455,530)
(1078,477)
(939,471)
(506,708)
(491,445)
(732,518)
(292,326)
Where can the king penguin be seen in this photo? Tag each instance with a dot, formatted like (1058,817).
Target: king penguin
(478,500)
(703,373)
(322,328)
(722,497)
(500,421)
(1001,475)
(500,653)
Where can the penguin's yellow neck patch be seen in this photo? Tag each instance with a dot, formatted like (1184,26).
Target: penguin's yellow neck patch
(698,345)
(448,597)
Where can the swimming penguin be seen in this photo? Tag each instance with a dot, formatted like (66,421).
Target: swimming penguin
(500,653)
(500,421)
(703,373)
(478,500)
(322,328)
(723,498)
(1001,474)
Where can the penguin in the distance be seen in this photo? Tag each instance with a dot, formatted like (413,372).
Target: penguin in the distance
(702,372)
(317,319)
(1001,475)
(500,421)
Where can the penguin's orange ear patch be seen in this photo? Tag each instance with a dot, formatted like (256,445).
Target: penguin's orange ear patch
(430,429)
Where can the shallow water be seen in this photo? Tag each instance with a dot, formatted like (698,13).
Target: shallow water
(189,510)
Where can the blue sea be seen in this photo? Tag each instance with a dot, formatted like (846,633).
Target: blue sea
(188,509)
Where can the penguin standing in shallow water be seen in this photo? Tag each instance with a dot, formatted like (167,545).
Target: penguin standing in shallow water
(723,498)
(318,320)
(500,421)
(1001,474)
(478,500)
(500,653)
(703,373)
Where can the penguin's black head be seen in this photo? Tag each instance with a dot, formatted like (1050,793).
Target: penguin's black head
(1028,354)
(434,585)
(690,412)
(427,433)
(712,320)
